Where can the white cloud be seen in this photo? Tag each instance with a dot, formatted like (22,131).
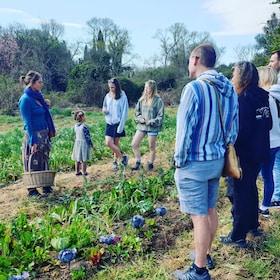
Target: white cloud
(241,17)
(11,11)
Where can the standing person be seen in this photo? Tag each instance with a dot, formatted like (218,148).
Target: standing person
(252,148)
(200,149)
(38,126)
(83,143)
(268,78)
(275,64)
(148,114)
(115,108)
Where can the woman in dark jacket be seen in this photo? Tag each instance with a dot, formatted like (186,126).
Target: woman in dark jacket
(252,147)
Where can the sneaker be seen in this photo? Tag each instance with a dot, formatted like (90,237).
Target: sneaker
(33,193)
(265,213)
(79,174)
(150,166)
(115,165)
(256,232)
(137,166)
(191,274)
(85,174)
(238,243)
(125,160)
(209,262)
(47,190)
(275,204)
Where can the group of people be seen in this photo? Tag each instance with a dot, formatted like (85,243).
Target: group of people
(251,122)
(250,117)
(39,127)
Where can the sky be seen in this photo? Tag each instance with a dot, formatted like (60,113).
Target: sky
(231,23)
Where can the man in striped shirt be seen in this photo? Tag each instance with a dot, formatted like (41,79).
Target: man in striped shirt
(200,149)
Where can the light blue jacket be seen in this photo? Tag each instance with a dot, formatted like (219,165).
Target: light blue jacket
(117,110)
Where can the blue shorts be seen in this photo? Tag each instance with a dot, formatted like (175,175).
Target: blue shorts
(111,130)
(151,133)
(197,184)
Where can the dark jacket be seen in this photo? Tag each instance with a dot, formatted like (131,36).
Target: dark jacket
(255,121)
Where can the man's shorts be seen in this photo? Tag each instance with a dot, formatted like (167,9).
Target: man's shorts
(197,183)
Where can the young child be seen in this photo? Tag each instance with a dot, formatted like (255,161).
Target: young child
(82,145)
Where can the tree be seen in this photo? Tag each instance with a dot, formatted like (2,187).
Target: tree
(176,44)
(115,41)
(53,28)
(8,50)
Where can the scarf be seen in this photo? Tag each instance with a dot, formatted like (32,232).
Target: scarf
(37,95)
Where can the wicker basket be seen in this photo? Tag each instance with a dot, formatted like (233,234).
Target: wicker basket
(34,179)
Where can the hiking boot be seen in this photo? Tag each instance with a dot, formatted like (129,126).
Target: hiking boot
(191,274)
(115,165)
(150,166)
(47,190)
(275,204)
(241,243)
(137,166)
(124,160)
(33,193)
(265,213)
(209,262)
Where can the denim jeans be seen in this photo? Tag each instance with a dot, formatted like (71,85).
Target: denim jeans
(268,179)
(276,176)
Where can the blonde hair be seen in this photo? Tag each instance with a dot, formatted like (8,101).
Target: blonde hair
(78,115)
(149,99)
(267,77)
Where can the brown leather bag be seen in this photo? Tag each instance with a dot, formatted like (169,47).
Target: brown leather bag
(231,166)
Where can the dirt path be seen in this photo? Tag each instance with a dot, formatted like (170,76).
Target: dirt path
(13,196)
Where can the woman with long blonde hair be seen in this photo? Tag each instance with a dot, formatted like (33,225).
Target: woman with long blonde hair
(148,114)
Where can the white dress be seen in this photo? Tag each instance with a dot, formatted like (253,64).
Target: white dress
(81,150)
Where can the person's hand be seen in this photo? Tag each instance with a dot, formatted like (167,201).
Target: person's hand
(105,111)
(142,121)
(34,148)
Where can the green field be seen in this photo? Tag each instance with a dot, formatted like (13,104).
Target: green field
(32,234)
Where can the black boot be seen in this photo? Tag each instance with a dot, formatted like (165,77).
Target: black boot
(47,190)
(32,192)
(137,166)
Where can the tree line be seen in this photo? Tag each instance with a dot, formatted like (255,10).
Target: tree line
(78,74)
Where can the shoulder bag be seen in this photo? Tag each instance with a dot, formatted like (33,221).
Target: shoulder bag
(232,166)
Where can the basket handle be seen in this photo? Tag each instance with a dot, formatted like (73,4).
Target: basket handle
(43,157)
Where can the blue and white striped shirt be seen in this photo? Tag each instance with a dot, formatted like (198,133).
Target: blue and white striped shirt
(199,136)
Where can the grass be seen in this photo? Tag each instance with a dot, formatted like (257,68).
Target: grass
(103,203)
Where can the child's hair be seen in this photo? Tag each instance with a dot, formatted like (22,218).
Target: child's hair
(78,115)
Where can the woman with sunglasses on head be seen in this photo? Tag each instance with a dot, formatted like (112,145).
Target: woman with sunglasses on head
(115,108)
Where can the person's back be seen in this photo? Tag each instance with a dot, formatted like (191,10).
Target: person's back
(253,139)
(207,136)
(200,147)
